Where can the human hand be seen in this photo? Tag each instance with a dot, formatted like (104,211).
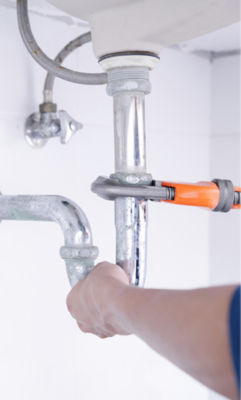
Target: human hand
(92,302)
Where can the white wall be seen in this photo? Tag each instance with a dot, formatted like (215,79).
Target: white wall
(42,354)
(225,152)
(225,162)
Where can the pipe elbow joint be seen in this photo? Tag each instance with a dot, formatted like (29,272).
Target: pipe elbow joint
(78,252)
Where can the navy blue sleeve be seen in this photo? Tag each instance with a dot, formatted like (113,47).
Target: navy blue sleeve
(234,328)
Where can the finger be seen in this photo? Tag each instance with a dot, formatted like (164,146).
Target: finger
(73,300)
(102,336)
(112,270)
(84,328)
(103,333)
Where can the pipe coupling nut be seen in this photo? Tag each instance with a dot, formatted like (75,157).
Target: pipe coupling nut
(79,252)
(79,260)
(143,178)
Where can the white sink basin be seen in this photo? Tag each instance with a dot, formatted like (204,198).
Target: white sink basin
(149,25)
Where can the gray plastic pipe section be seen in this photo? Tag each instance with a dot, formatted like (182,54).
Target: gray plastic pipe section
(78,252)
(59,59)
(42,59)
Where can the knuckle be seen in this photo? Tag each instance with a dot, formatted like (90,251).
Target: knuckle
(101,336)
(101,264)
(83,327)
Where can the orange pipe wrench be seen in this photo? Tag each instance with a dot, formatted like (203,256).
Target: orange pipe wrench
(218,195)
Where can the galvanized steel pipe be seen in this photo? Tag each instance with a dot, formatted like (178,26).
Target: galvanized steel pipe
(78,251)
(128,87)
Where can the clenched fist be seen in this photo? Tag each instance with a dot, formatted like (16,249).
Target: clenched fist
(92,301)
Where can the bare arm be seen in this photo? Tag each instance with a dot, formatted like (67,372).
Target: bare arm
(188,327)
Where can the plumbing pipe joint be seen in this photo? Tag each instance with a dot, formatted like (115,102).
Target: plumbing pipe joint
(78,251)
(128,79)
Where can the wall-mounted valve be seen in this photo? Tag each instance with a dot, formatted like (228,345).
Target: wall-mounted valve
(49,123)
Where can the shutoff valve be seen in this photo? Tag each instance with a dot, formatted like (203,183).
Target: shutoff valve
(50,123)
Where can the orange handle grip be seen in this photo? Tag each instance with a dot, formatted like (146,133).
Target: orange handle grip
(237,206)
(201,194)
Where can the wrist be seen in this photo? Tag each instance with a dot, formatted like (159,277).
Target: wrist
(108,288)
(117,311)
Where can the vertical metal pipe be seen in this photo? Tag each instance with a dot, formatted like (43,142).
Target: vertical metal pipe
(131,237)
(129,128)
(130,167)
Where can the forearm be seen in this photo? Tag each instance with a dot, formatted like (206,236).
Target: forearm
(190,328)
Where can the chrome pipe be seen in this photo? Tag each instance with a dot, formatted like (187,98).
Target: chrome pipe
(78,252)
(131,237)
(128,87)
(129,130)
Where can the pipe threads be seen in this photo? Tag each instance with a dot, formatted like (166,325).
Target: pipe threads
(128,79)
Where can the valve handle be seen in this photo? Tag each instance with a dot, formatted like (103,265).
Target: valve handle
(68,125)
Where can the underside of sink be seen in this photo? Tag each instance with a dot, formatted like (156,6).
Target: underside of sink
(149,25)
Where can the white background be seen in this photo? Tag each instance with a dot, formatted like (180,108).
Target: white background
(192,134)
